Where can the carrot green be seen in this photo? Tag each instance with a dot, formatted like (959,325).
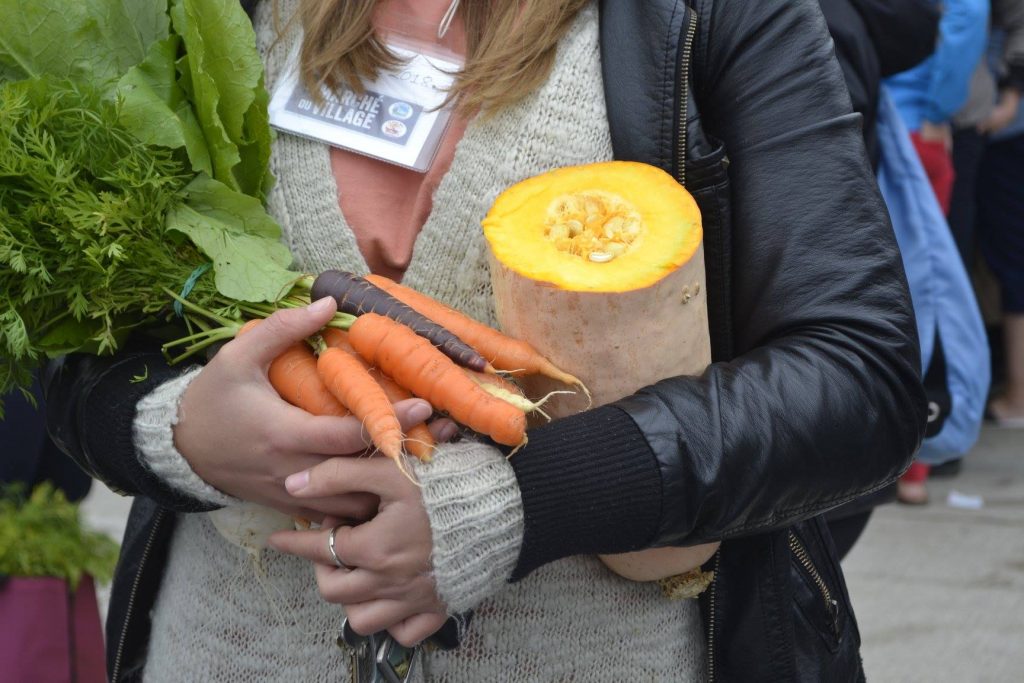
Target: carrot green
(134,149)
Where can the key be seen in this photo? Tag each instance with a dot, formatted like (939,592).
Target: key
(363,650)
(396,662)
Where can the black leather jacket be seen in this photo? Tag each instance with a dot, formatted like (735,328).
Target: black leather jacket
(814,397)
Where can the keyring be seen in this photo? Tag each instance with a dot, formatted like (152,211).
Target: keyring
(330,547)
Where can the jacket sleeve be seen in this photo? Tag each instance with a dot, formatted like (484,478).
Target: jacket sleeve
(90,411)
(823,401)
(963,30)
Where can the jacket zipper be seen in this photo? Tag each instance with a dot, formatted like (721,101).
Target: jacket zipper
(831,606)
(684,71)
(157,521)
(711,617)
(684,79)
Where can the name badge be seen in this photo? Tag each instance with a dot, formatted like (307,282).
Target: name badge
(398,119)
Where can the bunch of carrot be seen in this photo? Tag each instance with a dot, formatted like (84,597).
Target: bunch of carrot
(400,343)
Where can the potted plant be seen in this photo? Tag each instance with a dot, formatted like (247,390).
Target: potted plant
(48,610)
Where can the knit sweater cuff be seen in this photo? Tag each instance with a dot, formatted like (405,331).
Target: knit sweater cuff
(156,414)
(476,518)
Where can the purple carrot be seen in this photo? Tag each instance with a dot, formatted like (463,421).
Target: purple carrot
(356,296)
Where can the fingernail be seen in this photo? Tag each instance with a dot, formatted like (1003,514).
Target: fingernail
(297,481)
(420,412)
(320,305)
(448,432)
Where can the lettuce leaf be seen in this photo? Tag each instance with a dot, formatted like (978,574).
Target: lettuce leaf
(154,107)
(90,40)
(250,263)
(222,75)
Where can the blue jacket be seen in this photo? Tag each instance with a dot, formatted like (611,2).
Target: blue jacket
(940,288)
(937,87)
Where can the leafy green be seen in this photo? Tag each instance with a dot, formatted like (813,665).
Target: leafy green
(83,245)
(223,76)
(134,150)
(232,229)
(154,107)
(96,40)
(42,535)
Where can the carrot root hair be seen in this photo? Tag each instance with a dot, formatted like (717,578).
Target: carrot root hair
(549,369)
(516,449)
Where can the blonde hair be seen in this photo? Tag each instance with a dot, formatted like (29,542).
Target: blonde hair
(510,47)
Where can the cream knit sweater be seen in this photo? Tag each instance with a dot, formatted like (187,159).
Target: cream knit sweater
(225,616)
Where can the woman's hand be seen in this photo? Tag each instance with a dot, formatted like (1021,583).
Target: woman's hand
(937,133)
(1003,113)
(387,585)
(242,438)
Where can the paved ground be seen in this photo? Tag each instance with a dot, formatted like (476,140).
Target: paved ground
(939,591)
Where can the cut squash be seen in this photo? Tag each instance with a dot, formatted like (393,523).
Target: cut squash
(601,268)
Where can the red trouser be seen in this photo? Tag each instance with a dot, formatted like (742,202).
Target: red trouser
(918,472)
(938,164)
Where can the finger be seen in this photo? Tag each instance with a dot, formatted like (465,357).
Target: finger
(269,339)
(412,411)
(360,546)
(371,546)
(347,586)
(312,545)
(350,587)
(348,475)
(414,630)
(322,434)
(328,435)
(351,507)
(378,615)
(443,429)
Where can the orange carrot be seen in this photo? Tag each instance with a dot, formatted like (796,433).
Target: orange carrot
(294,375)
(346,377)
(505,353)
(419,441)
(417,365)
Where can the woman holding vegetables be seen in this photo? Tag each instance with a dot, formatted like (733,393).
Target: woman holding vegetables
(813,400)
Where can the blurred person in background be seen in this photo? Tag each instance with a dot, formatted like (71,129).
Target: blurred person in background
(29,456)
(1000,215)
(992,104)
(927,97)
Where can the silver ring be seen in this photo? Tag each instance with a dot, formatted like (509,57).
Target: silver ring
(334,553)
